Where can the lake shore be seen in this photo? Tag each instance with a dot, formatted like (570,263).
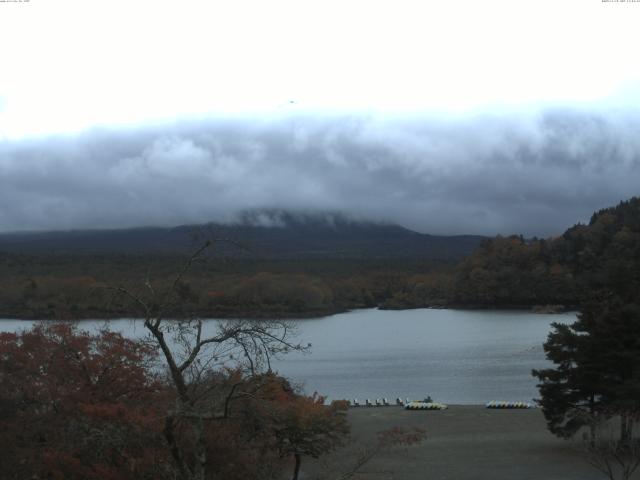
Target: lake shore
(464,442)
(277,315)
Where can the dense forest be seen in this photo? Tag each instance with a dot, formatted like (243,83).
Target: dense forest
(72,286)
(502,272)
(559,270)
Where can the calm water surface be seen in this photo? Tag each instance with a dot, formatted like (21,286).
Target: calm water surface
(456,356)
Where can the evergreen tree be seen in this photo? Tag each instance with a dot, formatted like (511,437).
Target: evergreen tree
(597,372)
(570,393)
(597,358)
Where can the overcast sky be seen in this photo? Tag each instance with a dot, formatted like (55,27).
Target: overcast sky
(447,117)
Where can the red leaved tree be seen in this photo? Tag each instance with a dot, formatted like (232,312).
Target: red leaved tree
(76,405)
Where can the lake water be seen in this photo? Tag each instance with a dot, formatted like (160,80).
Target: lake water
(455,356)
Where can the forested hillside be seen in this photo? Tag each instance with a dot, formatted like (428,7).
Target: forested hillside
(514,271)
(503,272)
(269,264)
(76,286)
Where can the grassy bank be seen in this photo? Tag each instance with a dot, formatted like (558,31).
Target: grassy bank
(463,443)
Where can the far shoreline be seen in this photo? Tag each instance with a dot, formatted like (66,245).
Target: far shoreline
(287,315)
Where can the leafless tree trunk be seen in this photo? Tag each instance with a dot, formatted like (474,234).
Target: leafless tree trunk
(189,353)
(394,437)
(616,454)
(296,469)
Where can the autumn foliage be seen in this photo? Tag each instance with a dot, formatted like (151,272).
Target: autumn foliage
(75,405)
(80,405)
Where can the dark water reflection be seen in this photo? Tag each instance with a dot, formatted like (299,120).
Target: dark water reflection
(456,356)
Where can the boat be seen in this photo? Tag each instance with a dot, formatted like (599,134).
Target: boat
(425,406)
(504,404)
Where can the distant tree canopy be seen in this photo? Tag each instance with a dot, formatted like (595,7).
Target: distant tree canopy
(512,271)
(73,287)
(564,270)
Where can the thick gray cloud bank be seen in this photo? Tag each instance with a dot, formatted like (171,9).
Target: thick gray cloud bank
(534,173)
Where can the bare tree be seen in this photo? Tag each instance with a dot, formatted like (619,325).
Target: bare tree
(193,351)
(352,460)
(614,453)
(387,439)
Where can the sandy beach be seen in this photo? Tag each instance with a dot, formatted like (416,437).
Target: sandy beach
(463,443)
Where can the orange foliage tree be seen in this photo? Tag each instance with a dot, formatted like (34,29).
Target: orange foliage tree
(76,405)
(302,425)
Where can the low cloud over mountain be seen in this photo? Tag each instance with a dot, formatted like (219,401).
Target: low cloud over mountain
(533,173)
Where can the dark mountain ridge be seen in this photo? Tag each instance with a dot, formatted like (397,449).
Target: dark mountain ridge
(260,234)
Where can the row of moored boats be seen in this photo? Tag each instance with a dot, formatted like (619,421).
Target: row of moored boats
(429,404)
